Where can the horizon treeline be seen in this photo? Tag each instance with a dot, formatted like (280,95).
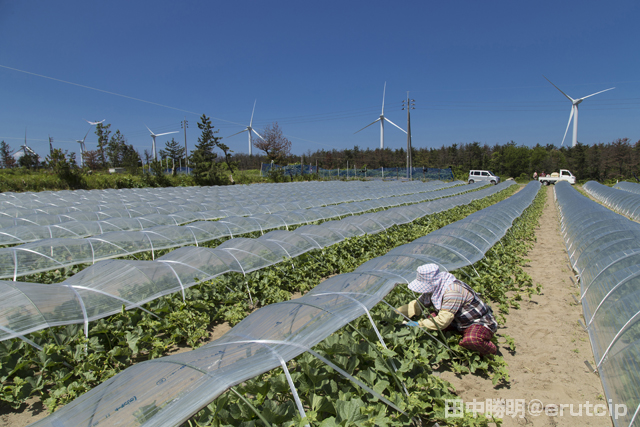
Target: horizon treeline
(619,159)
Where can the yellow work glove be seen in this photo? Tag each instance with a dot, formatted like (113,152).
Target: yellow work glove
(411,309)
(443,319)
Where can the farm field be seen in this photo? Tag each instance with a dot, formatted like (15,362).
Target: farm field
(547,363)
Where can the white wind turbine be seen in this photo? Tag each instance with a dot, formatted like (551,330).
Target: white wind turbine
(94,123)
(153,137)
(250,129)
(24,148)
(381,119)
(574,112)
(82,147)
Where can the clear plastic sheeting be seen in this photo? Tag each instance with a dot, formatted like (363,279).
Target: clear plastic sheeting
(604,249)
(631,187)
(102,287)
(624,202)
(463,243)
(139,202)
(168,390)
(36,225)
(49,254)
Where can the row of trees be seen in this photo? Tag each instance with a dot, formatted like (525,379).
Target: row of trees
(114,151)
(619,159)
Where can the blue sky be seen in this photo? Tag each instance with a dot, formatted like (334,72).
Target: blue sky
(474,69)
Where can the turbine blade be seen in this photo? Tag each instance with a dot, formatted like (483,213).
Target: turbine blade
(166,133)
(395,125)
(383,93)
(568,124)
(152,134)
(252,111)
(375,121)
(237,133)
(568,97)
(260,136)
(585,97)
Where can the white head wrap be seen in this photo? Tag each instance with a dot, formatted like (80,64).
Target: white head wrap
(430,280)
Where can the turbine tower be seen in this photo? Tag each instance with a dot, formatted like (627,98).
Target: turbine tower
(381,119)
(574,112)
(250,129)
(82,147)
(153,137)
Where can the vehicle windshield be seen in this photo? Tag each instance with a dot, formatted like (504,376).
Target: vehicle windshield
(491,173)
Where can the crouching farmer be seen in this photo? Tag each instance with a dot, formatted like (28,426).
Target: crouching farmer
(456,304)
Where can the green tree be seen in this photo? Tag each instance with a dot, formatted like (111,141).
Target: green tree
(206,170)
(103,133)
(115,149)
(29,160)
(131,159)
(175,151)
(6,157)
(64,165)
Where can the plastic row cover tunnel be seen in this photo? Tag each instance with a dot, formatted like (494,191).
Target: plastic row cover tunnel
(238,195)
(624,202)
(76,227)
(604,249)
(51,254)
(631,187)
(102,289)
(199,199)
(168,390)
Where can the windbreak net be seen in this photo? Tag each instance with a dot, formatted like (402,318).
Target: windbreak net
(604,249)
(108,285)
(168,390)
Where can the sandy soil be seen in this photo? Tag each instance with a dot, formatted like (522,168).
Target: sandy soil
(551,347)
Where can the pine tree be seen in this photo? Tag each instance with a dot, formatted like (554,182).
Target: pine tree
(103,133)
(175,151)
(6,156)
(115,149)
(206,170)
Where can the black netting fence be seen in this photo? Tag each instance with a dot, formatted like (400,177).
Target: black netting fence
(419,173)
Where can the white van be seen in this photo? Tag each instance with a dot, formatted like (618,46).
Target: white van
(478,176)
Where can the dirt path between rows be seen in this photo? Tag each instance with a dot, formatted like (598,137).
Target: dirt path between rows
(551,347)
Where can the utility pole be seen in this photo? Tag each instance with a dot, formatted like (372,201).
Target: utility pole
(184,126)
(50,145)
(409,105)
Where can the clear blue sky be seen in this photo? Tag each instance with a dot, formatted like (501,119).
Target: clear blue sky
(474,69)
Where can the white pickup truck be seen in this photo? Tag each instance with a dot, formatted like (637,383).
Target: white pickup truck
(563,175)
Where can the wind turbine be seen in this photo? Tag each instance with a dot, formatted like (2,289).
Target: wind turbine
(94,123)
(381,119)
(153,137)
(24,148)
(574,112)
(250,129)
(82,148)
